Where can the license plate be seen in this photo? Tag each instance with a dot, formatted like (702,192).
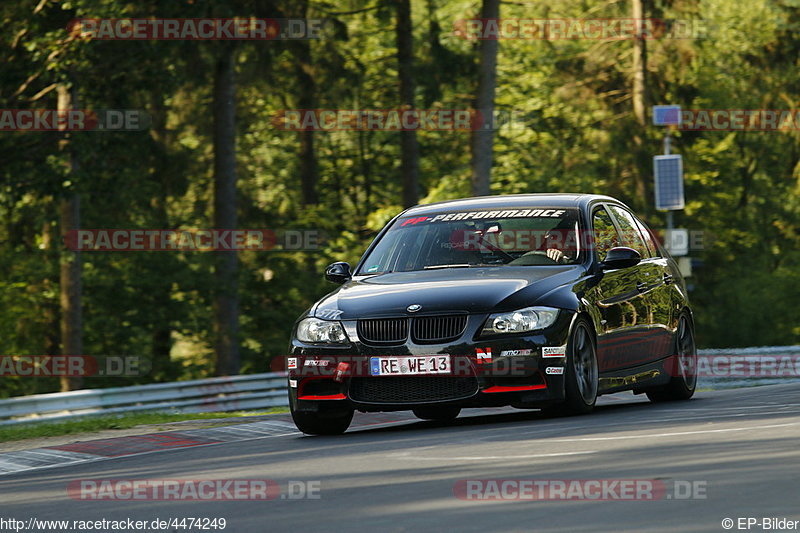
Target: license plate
(409,365)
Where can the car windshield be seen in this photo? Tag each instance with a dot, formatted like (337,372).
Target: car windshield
(536,236)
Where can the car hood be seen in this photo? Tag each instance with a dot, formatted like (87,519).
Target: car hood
(475,290)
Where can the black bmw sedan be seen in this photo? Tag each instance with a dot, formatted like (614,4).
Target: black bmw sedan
(539,301)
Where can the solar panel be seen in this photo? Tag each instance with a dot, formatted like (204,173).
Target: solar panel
(668,171)
(666,115)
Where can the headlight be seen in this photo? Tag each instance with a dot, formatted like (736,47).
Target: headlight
(522,320)
(316,330)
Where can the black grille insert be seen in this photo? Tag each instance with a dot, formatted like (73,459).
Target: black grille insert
(411,389)
(383,330)
(432,329)
(424,329)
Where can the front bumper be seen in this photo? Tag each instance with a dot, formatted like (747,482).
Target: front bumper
(524,371)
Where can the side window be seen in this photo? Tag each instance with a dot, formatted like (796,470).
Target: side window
(605,234)
(631,235)
(649,239)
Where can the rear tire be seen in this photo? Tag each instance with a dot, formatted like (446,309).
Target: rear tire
(440,414)
(323,422)
(683,385)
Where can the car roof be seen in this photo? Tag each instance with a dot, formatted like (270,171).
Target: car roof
(510,201)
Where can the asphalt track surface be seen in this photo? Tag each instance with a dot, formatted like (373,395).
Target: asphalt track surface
(739,448)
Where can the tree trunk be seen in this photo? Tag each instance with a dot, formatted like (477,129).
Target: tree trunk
(483,138)
(70,261)
(161,368)
(409,148)
(638,95)
(51,315)
(639,64)
(307,99)
(226,301)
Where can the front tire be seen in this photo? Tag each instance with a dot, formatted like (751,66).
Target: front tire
(683,385)
(323,422)
(581,376)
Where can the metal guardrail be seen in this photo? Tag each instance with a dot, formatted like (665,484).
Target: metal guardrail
(717,369)
(254,391)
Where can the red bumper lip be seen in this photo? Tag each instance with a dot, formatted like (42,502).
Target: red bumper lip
(519,388)
(325,397)
(494,389)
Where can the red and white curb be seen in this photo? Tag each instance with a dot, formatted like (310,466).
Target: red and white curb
(102,449)
(105,449)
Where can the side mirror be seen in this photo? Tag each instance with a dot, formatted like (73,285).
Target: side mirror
(338,272)
(620,257)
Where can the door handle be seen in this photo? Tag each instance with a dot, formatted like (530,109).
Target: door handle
(667,278)
(641,286)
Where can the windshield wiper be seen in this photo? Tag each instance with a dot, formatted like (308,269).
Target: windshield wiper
(434,267)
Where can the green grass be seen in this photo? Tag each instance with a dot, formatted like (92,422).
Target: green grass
(97,423)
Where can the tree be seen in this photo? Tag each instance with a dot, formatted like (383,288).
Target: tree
(483,137)
(71,267)
(226,298)
(409,148)
(307,99)
(638,97)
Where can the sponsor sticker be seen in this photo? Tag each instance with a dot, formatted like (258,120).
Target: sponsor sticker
(555,370)
(554,351)
(486,214)
(484,355)
(293,383)
(291,363)
(512,353)
(317,362)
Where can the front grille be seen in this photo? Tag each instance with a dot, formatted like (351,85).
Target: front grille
(432,329)
(411,389)
(383,330)
(424,329)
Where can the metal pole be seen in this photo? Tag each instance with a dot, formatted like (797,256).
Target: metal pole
(667,142)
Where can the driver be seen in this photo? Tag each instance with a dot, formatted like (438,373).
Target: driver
(557,255)
(555,242)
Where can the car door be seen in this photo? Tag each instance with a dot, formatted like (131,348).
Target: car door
(648,345)
(623,310)
(662,296)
